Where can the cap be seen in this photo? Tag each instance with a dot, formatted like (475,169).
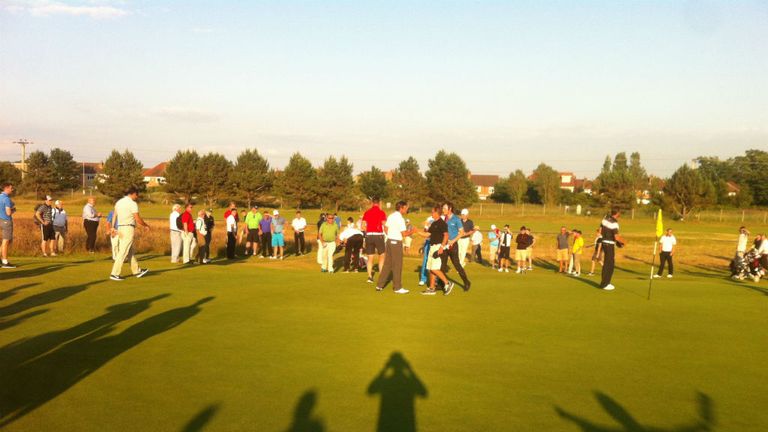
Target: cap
(493,227)
(48,198)
(464,212)
(255,206)
(275,213)
(57,202)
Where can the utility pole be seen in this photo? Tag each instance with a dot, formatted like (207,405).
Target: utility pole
(23,143)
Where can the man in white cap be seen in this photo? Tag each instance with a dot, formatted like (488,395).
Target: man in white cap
(44,218)
(493,245)
(476,254)
(469,229)
(278,236)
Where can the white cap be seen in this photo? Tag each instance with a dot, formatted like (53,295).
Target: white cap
(275,213)
(48,198)
(57,202)
(493,227)
(464,212)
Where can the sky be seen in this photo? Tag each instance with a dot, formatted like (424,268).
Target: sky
(505,84)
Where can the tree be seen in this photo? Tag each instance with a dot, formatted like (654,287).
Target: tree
(501,192)
(40,177)
(448,180)
(373,183)
(637,173)
(336,182)
(752,170)
(408,184)
(121,172)
(182,174)
(213,173)
(687,190)
(66,171)
(251,176)
(616,184)
(518,186)
(546,181)
(298,183)
(11,174)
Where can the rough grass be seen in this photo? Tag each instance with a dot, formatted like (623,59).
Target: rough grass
(267,346)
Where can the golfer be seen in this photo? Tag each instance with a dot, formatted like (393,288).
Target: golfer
(455,232)
(611,238)
(44,218)
(127,214)
(437,234)
(327,239)
(278,237)
(252,220)
(393,266)
(373,227)
(7,209)
(299,224)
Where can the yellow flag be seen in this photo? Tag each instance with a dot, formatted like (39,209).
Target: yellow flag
(659,225)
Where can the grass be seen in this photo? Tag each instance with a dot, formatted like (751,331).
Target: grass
(267,346)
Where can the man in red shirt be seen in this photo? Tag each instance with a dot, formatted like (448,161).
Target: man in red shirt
(231,206)
(373,227)
(188,237)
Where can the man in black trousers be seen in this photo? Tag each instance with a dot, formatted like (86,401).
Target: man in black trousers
(611,239)
(455,232)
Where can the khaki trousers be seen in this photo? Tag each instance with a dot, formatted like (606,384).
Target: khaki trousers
(463,248)
(125,250)
(189,243)
(326,255)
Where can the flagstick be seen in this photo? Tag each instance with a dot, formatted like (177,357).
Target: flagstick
(653,263)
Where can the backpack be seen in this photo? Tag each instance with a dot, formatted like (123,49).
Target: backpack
(179,223)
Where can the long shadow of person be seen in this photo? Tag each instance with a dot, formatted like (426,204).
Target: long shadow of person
(398,386)
(202,418)
(303,419)
(627,423)
(29,384)
(43,298)
(11,292)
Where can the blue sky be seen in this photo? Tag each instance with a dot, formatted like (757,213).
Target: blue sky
(504,84)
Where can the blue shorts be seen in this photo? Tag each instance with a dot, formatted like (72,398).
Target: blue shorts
(278,240)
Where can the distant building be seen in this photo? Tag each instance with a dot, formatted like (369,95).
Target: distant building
(90,173)
(568,181)
(732,189)
(583,185)
(484,184)
(155,176)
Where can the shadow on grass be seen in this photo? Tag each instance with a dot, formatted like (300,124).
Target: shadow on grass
(11,292)
(38,369)
(43,298)
(399,386)
(202,419)
(31,272)
(627,423)
(544,264)
(6,324)
(303,418)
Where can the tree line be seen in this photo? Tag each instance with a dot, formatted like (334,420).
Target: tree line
(212,178)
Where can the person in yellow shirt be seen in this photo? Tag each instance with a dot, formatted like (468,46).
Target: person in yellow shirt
(577,250)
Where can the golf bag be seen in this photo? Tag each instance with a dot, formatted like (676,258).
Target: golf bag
(746,266)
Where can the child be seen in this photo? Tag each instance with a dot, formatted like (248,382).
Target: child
(597,254)
(578,249)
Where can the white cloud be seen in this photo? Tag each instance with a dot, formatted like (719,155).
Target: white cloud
(185,115)
(42,8)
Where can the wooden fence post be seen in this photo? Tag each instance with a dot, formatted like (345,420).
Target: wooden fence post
(481,209)
(502,209)
(743,213)
(721,215)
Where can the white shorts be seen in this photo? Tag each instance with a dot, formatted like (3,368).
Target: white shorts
(434,263)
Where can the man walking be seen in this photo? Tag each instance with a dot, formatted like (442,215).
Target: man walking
(327,239)
(299,224)
(44,218)
(278,237)
(393,266)
(668,243)
(373,226)
(437,233)
(455,232)
(188,235)
(174,224)
(464,240)
(231,222)
(60,225)
(252,220)
(91,224)
(562,249)
(127,214)
(611,238)
(7,209)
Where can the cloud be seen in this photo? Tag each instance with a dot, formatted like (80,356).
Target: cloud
(42,8)
(185,115)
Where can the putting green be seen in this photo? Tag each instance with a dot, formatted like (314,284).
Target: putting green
(262,345)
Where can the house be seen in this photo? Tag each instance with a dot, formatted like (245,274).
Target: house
(91,174)
(583,185)
(732,189)
(155,176)
(484,184)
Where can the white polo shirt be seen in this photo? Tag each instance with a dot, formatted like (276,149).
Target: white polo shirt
(299,224)
(125,208)
(172,221)
(667,243)
(395,226)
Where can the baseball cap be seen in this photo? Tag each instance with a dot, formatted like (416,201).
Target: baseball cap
(275,213)
(57,202)
(493,227)
(48,198)
(255,206)
(464,212)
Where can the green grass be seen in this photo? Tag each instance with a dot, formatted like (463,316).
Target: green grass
(236,347)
